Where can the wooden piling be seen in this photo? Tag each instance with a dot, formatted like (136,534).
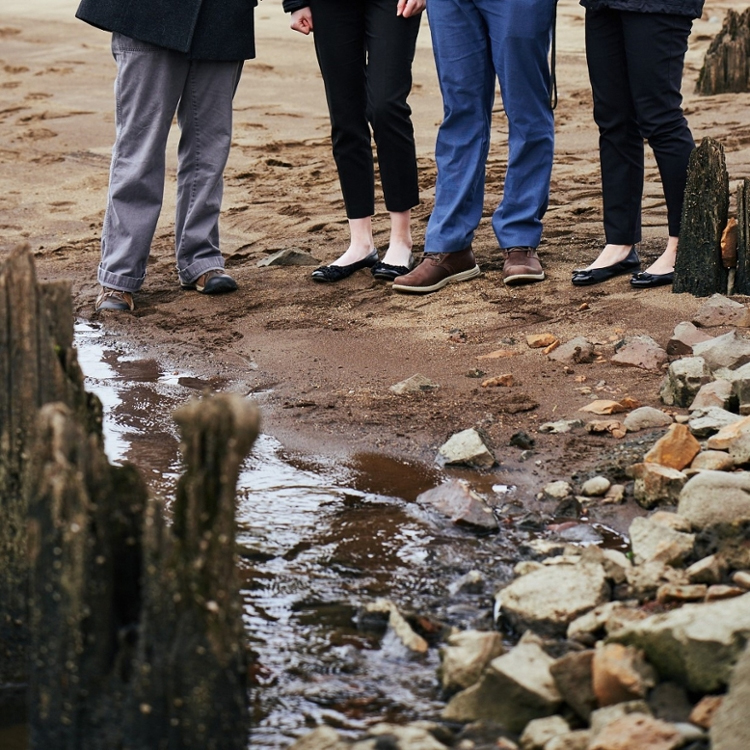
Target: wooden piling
(699,268)
(726,67)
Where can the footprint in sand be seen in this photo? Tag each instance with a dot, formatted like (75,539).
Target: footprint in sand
(8,31)
(38,134)
(15,69)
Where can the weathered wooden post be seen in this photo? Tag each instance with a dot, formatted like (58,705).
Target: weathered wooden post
(37,365)
(742,276)
(726,67)
(699,268)
(128,629)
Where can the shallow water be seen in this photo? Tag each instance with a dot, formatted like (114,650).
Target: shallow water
(318,540)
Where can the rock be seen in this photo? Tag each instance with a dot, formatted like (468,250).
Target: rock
(596,487)
(637,731)
(415,384)
(717,393)
(721,311)
(561,426)
(588,628)
(539,732)
(612,426)
(398,624)
(719,592)
(646,418)
(731,729)
(522,440)
(505,381)
(696,645)
(500,354)
(557,490)
(732,350)
(514,689)
(465,656)
(620,673)
(456,501)
(467,447)
(603,717)
(671,519)
(652,541)
(321,738)
(578,740)
(644,580)
(615,495)
(289,257)
(740,393)
(670,593)
(742,579)
(577,351)
(730,540)
(615,564)
(704,712)
(708,570)
(684,338)
(683,381)
(540,340)
(572,676)
(714,497)
(525,567)
(409,737)
(728,435)
(472,582)
(669,702)
(655,484)
(548,600)
(676,449)
(712,461)
(603,407)
(705,422)
(641,351)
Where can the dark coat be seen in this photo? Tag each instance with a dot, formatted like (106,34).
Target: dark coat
(692,8)
(203,29)
(291,5)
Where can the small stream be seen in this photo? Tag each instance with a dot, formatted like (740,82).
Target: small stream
(318,539)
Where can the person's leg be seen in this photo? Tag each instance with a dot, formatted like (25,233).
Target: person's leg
(340,46)
(205,119)
(147,89)
(656,45)
(520,32)
(391,43)
(467,82)
(620,140)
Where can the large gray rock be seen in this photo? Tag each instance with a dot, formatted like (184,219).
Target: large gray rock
(467,447)
(731,729)
(656,485)
(547,600)
(641,351)
(646,418)
(740,382)
(717,393)
(465,657)
(539,732)
(696,645)
(683,381)
(415,384)
(456,501)
(684,338)
(719,310)
(731,350)
(572,676)
(714,497)
(705,422)
(514,689)
(577,351)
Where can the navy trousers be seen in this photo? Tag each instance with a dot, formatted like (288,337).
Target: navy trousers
(635,63)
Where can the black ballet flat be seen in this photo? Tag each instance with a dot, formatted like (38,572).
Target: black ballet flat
(337,273)
(646,280)
(585,277)
(387,272)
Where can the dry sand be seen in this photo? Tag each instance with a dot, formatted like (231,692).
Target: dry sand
(324,356)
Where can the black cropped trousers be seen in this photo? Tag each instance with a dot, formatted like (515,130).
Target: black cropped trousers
(635,63)
(365,52)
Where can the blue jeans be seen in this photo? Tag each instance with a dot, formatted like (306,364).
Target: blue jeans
(152,84)
(475,42)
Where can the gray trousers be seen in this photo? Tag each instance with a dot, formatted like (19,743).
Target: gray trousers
(152,84)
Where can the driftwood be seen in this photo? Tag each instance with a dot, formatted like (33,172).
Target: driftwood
(726,67)
(699,268)
(131,626)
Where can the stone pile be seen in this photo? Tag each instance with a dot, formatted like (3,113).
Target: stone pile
(638,651)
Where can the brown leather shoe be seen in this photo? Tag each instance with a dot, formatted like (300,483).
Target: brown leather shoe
(436,270)
(522,266)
